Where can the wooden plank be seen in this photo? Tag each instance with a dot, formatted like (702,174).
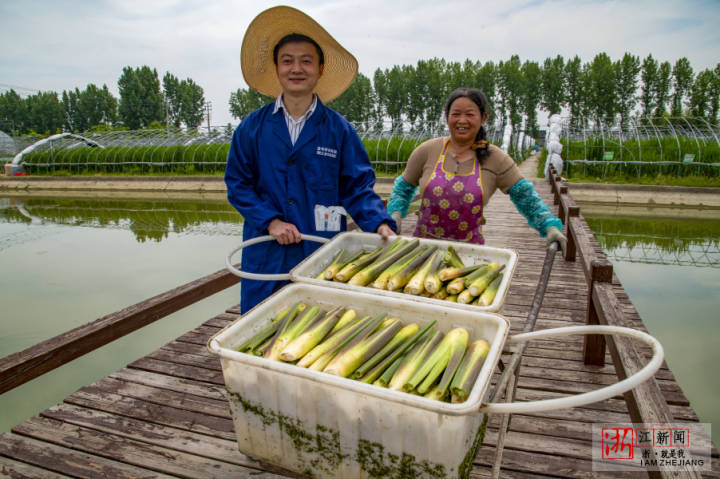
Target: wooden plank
(161,381)
(546,464)
(20,470)
(124,450)
(20,367)
(170,438)
(67,461)
(187,402)
(154,413)
(178,370)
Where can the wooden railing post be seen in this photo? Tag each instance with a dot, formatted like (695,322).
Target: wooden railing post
(561,204)
(571,246)
(594,345)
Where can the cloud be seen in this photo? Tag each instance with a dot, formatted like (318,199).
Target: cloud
(63,45)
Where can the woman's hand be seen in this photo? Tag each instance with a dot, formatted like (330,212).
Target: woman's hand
(284,233)
(397,216)
(385,231)
(554,234)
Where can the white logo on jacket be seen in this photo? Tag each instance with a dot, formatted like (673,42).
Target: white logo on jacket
(327,218)
(325,151)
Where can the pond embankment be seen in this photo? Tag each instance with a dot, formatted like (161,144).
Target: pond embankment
(651,196)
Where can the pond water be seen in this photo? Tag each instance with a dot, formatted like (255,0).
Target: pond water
(67,261)
(670,268)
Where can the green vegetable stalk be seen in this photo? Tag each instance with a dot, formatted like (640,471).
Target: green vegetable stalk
(303,343)
(488,296)
(452,259)
(286,321)
(465,297)
(353,267)
(348,361)
(380,368)
(479,284)
(382,280)
(371,272)
(347,317)
(334,340)
(402,277)
(303,320)
(416,285)
(452,272)
(387,375)
(456,354)
(402,336)
(433,283)
(441,294)
(261,337)
(452,345)
(469,369)
(414,360)
(334,266)
(358,335)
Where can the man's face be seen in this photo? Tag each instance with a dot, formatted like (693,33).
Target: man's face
(298,68)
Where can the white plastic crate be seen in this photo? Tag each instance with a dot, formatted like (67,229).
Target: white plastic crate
(309,268)
(322,425)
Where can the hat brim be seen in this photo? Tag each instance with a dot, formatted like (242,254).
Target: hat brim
(266,30)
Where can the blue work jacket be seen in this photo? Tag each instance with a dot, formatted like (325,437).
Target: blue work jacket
(268,177)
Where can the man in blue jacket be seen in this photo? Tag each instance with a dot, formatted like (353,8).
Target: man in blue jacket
(295,166)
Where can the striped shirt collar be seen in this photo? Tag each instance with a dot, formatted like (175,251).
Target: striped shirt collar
(280,105)
(294,126)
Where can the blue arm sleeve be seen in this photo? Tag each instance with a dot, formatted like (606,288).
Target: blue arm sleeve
(240,178)
(357,179)
(532,207)
(401,196)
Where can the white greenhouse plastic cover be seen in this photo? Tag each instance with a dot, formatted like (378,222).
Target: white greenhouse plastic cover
(556,161)
(555,147)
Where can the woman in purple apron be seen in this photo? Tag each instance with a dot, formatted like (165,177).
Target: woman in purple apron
(458,174)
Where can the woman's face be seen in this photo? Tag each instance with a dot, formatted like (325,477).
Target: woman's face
(464,120)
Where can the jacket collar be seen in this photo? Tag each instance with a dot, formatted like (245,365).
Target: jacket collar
(309,131)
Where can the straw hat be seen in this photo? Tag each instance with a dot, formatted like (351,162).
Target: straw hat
(266,30)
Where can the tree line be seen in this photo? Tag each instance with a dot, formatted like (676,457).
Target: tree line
(600,91)
(144,102)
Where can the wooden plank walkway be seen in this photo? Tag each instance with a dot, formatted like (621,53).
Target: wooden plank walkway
(166,414)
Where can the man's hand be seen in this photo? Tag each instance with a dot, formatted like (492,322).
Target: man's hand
(385,231)
(284,233)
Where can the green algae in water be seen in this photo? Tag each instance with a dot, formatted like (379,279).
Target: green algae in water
(370,456)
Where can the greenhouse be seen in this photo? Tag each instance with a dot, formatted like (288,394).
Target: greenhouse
(647,146)
(161,151)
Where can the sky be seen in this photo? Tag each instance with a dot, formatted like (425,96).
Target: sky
(61,45)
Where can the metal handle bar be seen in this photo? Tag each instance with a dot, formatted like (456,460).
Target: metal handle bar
(259,276)
(589,397)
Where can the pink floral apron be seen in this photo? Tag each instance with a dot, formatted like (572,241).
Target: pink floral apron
(451,206)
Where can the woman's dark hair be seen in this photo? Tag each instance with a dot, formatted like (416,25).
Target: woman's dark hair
(297,38)
(477,97)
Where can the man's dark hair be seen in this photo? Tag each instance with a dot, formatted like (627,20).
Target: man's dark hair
(297,38)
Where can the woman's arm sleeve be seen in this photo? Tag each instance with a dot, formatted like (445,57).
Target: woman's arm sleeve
(401,196)
(532,207)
